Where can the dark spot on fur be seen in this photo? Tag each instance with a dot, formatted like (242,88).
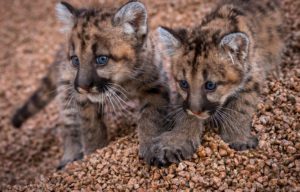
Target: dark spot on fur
(144,107)
(87,37)
(205,74)
(229,101)
(95,49)
(211,107)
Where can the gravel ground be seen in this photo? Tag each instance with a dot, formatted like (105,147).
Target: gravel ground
(29,38)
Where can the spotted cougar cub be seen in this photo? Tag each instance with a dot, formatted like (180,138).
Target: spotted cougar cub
(110,56)
(220,67)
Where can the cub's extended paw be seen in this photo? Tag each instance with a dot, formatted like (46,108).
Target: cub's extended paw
(144,149)
(65,160)
(167,150)
(244,144)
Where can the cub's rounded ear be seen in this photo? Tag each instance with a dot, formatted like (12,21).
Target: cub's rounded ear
(170,39)
(66,14)
(133,18)
(236,45)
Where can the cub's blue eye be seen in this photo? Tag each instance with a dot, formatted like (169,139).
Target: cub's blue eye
(210,86)
(184,84)
(75,61)
(102,60)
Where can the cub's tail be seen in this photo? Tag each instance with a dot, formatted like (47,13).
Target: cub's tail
(45,93)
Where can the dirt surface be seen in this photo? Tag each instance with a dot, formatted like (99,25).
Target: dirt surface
(29,38)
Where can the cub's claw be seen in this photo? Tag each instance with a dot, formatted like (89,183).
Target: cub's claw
(164,152)
(241,145)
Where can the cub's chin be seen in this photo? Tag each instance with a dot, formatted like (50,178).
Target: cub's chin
(96,98)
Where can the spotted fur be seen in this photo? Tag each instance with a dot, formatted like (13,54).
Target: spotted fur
(111,58)
(219,67)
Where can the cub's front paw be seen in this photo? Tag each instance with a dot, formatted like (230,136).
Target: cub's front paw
(165,151)
(69,159)
(244,144)
(144,149)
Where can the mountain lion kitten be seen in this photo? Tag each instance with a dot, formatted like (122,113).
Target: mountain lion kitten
(110,57)
(219,67)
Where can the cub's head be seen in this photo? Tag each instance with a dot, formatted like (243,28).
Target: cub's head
(103,45)
(210,68)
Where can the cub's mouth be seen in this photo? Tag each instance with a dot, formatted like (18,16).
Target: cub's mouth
(93,94)
(200,115)
(203,112)
(113,94)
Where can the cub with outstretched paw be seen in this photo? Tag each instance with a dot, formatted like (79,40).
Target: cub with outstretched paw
(219,67)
